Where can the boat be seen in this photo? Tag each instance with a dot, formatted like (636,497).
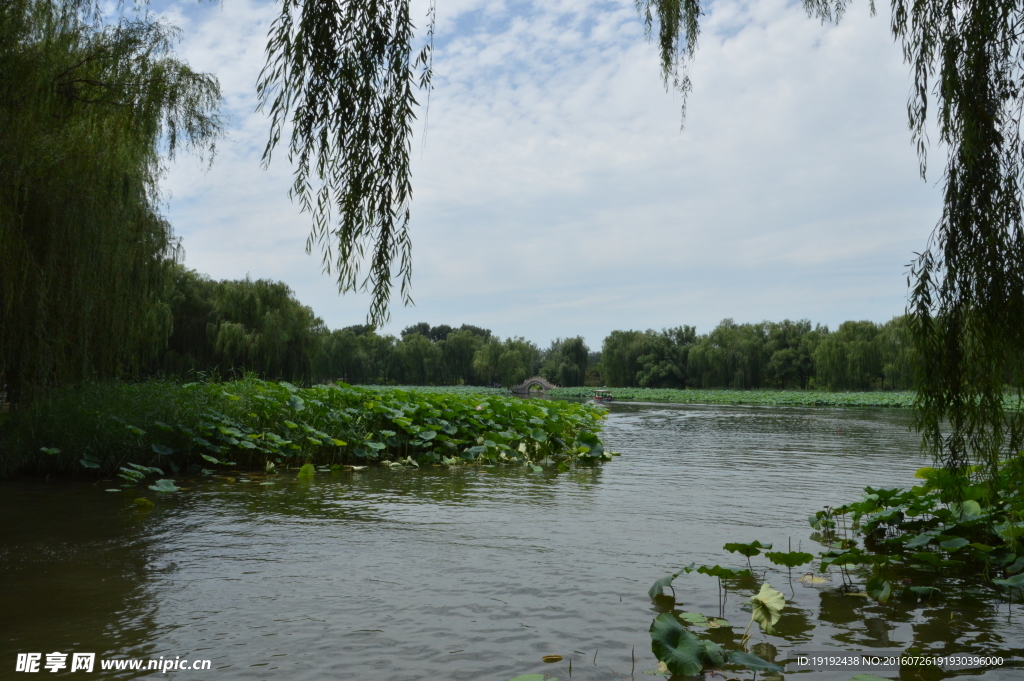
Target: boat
(603,396)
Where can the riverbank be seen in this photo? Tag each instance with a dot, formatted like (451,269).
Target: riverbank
(767,398)
(164,428)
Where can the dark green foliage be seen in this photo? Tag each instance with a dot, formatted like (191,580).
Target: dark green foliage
(506,363)
(565,362)
(245,325)
(249,424)
(85,110)
(341,77)
(784,355)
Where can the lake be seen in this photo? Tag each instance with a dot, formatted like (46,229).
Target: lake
(474,573)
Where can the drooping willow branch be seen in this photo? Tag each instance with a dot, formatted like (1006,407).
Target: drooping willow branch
(342,77)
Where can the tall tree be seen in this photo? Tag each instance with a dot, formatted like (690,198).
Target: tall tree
(85,111)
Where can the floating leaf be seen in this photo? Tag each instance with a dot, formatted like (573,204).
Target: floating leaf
(751,661)
(307,471)
(551,659)
(681,651)
(812,579)
(143,503)
(923,592)
(693,618)
(164,485)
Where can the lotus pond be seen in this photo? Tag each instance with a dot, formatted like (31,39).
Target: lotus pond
(482,572)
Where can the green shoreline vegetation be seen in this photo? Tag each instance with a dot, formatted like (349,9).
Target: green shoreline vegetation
(165,427)
(768,398)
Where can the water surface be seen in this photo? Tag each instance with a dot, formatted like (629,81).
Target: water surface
(470,573)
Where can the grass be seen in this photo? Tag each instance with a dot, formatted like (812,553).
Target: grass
(780,398)
(258,425)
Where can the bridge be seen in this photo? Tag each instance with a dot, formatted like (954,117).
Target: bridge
(524,387)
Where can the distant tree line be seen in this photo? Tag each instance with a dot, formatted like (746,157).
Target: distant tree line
(225,327)
(789,354)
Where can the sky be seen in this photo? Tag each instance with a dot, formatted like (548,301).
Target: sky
(558,192)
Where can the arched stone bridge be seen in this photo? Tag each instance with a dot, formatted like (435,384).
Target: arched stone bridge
(524,387)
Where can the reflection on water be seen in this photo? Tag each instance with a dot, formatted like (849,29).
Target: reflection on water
(471,573)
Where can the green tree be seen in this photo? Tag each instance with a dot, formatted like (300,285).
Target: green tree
(620,358)
(421,360)
(790,355)
(664,357)
(457,353)
(565,362)
(506,363)
(259,326)
(88,111)
(731,356)
(850,358)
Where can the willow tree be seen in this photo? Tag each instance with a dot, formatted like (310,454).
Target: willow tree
(87,112)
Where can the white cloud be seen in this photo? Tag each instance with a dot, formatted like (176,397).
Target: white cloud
(555,193)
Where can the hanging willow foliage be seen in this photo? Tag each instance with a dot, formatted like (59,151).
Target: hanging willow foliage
(84,111)
(341,74)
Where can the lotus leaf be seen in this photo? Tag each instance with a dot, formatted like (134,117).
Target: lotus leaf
(681,651)
(751,661)
(969,510)
(923,592)
(790,559)
(767,607)
(1015,581)
(307,471)
(693,618)
(920,540)
(879,589)
(748,550)
(164,485)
